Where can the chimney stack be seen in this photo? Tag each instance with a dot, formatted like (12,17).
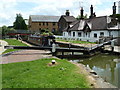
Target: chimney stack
(91,11)
(114,9)
(67,13)
(81,13)
(119,7)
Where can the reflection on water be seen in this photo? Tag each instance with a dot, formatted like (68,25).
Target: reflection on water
(106,66)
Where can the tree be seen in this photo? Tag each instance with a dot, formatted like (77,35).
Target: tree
(0,32)
(4,31)
(79,16)
(20,23)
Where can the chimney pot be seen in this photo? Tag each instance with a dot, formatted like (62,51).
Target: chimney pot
(67,13)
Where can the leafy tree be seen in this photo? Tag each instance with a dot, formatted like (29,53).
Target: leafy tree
(20,23)
(79,16)
(46,32)
(4,31)
(0,30)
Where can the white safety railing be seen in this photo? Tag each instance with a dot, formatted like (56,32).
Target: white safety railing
(78,38)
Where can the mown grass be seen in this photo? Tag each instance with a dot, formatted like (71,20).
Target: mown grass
(0,76)
(37,74)
(14,43)
(76,41)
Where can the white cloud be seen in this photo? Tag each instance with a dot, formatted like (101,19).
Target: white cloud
(49,7)
(104,12)
(7,11)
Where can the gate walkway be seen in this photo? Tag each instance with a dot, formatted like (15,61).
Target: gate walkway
(100,45)
(85,50)
(59,48)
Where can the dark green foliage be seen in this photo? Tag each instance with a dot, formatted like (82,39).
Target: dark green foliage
(4,31)
(57,33)
(42,31)
(79,16)
(46,32)
(0,30)
(19,23)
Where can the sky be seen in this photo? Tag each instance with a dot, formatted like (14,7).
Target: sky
(9,8)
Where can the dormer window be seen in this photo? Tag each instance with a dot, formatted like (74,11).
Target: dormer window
(71,26)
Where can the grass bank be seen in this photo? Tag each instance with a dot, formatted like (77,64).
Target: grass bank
(38,74)
(75,41)
(14,43)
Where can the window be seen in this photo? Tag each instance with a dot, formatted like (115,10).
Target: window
(89,34)
(47,23)
(43,23)
(79,34)
(39,24)
(69,33)
(73,34)
(87,27)
(95,35)
(64,34)
(101,33)
(54,23)
(39,30)
(109,33)
(53,30)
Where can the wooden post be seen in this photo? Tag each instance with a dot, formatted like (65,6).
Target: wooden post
(72,53)
(86,53)
(112,46)
(0,44)
(49,42)
(62,53)
(91,45)
(69,45)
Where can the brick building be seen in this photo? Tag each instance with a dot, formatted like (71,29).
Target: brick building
(65,20)
(39,22)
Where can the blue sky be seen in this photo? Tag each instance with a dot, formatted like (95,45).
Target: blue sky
(9,8)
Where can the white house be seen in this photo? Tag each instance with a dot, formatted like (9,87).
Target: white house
(92,29)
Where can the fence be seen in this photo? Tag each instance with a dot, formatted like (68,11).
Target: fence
(78,38)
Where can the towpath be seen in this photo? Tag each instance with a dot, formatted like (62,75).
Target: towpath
(25,55)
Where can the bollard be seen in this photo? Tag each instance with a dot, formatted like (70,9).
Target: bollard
(53,49)
(53,62)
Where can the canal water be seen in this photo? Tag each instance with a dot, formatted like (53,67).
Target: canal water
(106,66)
